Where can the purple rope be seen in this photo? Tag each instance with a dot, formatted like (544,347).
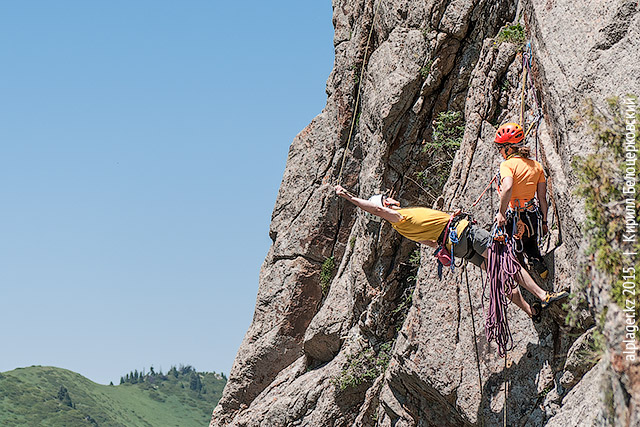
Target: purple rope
(501,269)
(527,61)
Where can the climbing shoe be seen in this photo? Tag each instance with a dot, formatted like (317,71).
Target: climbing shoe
(537,307)
(540,268)
(554,296)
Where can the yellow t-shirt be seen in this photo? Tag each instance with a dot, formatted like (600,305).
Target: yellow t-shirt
(420,224)
(526,174)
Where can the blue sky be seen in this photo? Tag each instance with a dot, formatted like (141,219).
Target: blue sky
(142,147)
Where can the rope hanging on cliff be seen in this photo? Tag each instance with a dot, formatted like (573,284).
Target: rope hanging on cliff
(527,62)
(355,108)
(495,177)
(506,390)
(524,85)
(501,269)
(473,325)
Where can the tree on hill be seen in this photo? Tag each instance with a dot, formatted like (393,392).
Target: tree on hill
(184,377)
(63,396)
(194,382)
(184,370)
(173,372)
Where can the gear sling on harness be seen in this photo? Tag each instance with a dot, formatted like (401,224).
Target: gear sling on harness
(444,257)
(524,223)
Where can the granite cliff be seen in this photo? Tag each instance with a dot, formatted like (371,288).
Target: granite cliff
(350,326)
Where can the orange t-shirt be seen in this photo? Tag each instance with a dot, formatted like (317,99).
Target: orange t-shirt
(526,174)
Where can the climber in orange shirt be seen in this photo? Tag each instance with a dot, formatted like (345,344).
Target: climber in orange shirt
(522,213)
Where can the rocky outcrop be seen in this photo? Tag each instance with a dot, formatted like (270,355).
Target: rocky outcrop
(585,52)
(377,340)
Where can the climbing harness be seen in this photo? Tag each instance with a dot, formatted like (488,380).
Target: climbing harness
(357,104)
(520,219)
(442,254)
(444,257)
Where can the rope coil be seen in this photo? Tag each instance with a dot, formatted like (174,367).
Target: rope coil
(501,270)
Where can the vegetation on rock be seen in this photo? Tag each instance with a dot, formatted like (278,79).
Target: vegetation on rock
(605,204)
(512,34)
(448,131)
(364,366)
(326,274)
(426,70)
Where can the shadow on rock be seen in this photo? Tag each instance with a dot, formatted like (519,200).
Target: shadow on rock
(521,392)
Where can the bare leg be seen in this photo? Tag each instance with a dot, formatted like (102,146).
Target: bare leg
(516,298)
(524,279)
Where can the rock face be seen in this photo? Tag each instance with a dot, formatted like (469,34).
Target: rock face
(376,340)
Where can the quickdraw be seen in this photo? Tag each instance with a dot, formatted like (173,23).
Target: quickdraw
(498,233)
(520,229)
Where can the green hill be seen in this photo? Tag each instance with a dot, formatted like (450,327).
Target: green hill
(47,396)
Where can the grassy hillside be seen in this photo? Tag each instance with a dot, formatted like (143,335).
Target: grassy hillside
(49,396)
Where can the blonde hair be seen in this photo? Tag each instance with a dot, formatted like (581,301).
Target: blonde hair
(522,151)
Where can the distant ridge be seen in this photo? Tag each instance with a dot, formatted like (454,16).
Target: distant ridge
(57,397)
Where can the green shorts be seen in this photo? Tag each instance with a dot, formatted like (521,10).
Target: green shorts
(473,242)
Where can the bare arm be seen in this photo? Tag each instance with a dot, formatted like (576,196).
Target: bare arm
(542,198)
(390,215)
(431,243)
(505,195)
(544,206)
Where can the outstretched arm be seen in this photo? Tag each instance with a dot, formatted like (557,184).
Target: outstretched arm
(382,212)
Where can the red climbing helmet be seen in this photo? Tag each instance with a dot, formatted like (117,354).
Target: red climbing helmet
(509,134)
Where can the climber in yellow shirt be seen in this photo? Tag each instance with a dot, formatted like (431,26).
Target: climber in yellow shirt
(427,226)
